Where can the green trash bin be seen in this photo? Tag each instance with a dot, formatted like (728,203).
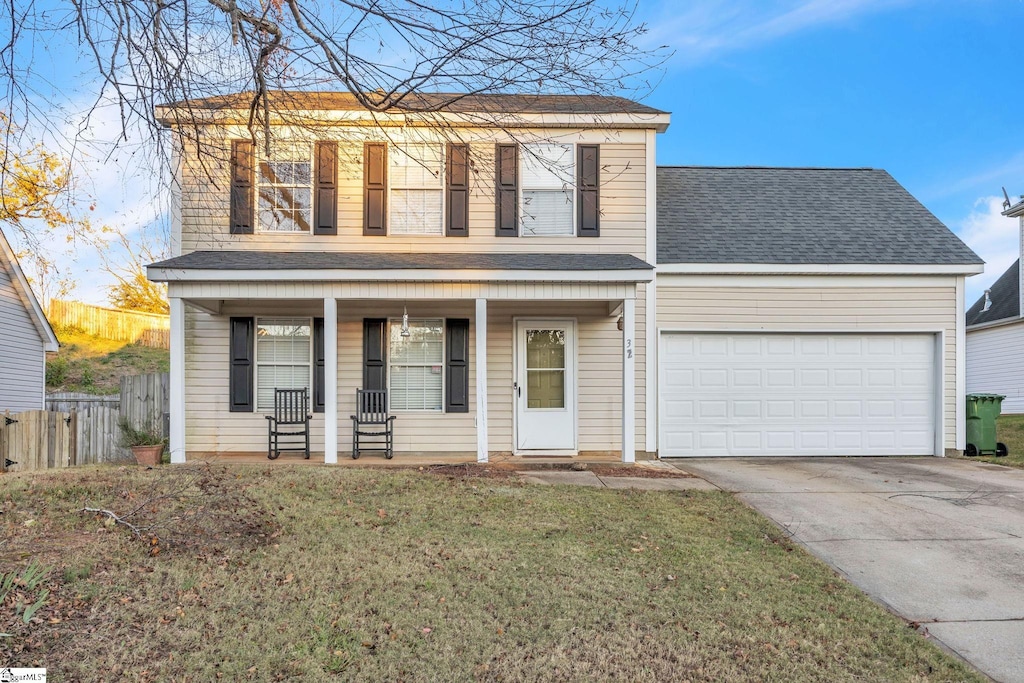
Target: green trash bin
(982,411)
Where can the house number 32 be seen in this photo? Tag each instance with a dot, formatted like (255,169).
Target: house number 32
(629,348)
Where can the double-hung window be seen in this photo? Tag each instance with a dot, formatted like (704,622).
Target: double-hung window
(283,357)
(417,189)
(548,189)
(285,189)
(416,365)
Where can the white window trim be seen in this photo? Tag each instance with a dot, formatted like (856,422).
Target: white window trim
(444,367)
(312,193)
(521,187)
(441,188)
(256,358)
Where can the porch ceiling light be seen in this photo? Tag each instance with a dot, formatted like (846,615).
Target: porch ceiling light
(405,321)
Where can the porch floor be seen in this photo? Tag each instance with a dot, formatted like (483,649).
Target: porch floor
(417,460)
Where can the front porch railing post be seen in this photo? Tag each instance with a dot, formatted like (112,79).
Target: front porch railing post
(481,380)
(628,380)
(176,398)
(331,380)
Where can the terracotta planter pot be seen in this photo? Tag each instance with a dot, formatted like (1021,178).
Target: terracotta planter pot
(148,455)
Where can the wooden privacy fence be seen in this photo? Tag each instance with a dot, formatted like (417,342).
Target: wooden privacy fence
(145,401)
(148,329)
(37,440)
(93,430)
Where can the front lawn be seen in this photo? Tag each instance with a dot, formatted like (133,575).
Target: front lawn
(310,573)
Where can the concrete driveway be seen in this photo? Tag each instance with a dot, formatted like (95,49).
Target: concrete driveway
(939,541)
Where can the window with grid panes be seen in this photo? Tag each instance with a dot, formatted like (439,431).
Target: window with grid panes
(417,187)
(283,357)
(416,365)
(285,189)
(548,189)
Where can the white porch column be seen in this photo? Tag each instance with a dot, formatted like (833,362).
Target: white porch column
(331,380)
(481,380)
(628,380)
(177,380)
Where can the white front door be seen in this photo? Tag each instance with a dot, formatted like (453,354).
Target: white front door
(545,385)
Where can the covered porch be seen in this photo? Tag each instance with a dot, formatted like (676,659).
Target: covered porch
(547,369)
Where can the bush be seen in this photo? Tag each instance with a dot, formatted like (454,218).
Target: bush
(139,436)
(56,371)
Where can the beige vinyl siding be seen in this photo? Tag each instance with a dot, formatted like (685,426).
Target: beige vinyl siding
(22,364)
(829,309)
(211,427)
(204,203)
(995,364)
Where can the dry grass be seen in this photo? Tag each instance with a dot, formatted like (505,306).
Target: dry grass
(404,576)
(1009,430)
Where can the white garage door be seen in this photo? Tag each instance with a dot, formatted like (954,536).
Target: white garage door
(797,394)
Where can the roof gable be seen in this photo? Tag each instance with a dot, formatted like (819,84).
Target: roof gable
(797,216)
(9,262)
(1005,296)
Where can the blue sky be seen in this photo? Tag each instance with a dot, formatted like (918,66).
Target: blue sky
(929,91)
(926,89)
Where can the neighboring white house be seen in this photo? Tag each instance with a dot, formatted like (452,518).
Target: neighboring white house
(25,337)
(995,334)
(563,294)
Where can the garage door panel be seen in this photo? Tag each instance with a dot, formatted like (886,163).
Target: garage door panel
(743,378)
(814,409)
(798,394)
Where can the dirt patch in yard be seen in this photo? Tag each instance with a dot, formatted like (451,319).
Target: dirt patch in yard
(639,471)
(506,470)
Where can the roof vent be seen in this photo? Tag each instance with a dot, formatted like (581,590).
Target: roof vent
(988,300)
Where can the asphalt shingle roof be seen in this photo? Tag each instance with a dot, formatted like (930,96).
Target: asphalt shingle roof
(419,102)
(797,216)
(299,260)
(1005,297)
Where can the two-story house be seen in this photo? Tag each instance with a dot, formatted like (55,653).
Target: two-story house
(521,278)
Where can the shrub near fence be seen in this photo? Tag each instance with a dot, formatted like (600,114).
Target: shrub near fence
(148,329)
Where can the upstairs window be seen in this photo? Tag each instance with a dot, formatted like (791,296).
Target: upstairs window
(548,190)
(285,190)
(417,189)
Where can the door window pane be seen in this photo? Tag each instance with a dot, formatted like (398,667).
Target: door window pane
(545,369)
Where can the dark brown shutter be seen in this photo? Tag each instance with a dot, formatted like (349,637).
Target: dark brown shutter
(457,367)
(325,188)
(506,199)
(375,350)
(375,184)
(588,167)
(319,379)
(242,200)
(240,377)
(457,201)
